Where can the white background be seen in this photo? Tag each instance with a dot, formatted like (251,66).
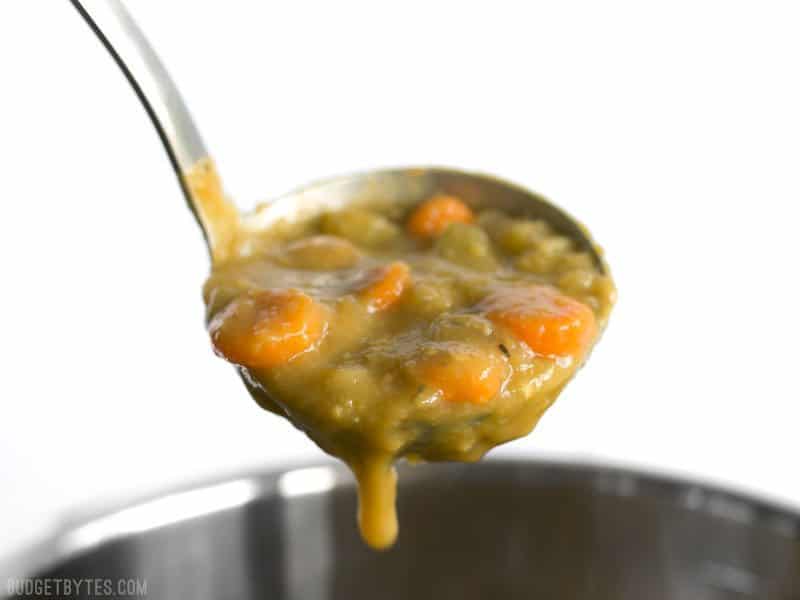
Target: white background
(672,129)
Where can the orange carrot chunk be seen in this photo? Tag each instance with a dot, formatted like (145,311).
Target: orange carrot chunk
(384,286)
(461,373)
(433,216)
(267,328)
(550,323)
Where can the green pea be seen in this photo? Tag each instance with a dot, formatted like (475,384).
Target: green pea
(522,235)
(361,227)
(468,246)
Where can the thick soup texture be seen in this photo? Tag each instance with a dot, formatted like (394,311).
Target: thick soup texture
(427,332)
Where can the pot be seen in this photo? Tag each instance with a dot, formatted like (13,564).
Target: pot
(497,529)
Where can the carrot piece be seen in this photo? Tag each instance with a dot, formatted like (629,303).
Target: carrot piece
(384,286)
(267,328)
(433,216)
(461,373)
(550,323)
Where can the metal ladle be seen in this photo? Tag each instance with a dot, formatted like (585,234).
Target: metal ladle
(126,43)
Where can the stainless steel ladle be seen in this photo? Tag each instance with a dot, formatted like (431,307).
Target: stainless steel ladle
(126,43)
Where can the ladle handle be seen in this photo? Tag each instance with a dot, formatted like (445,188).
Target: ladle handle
(134,55)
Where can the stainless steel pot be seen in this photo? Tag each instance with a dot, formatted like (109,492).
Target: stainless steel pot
(492,530)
